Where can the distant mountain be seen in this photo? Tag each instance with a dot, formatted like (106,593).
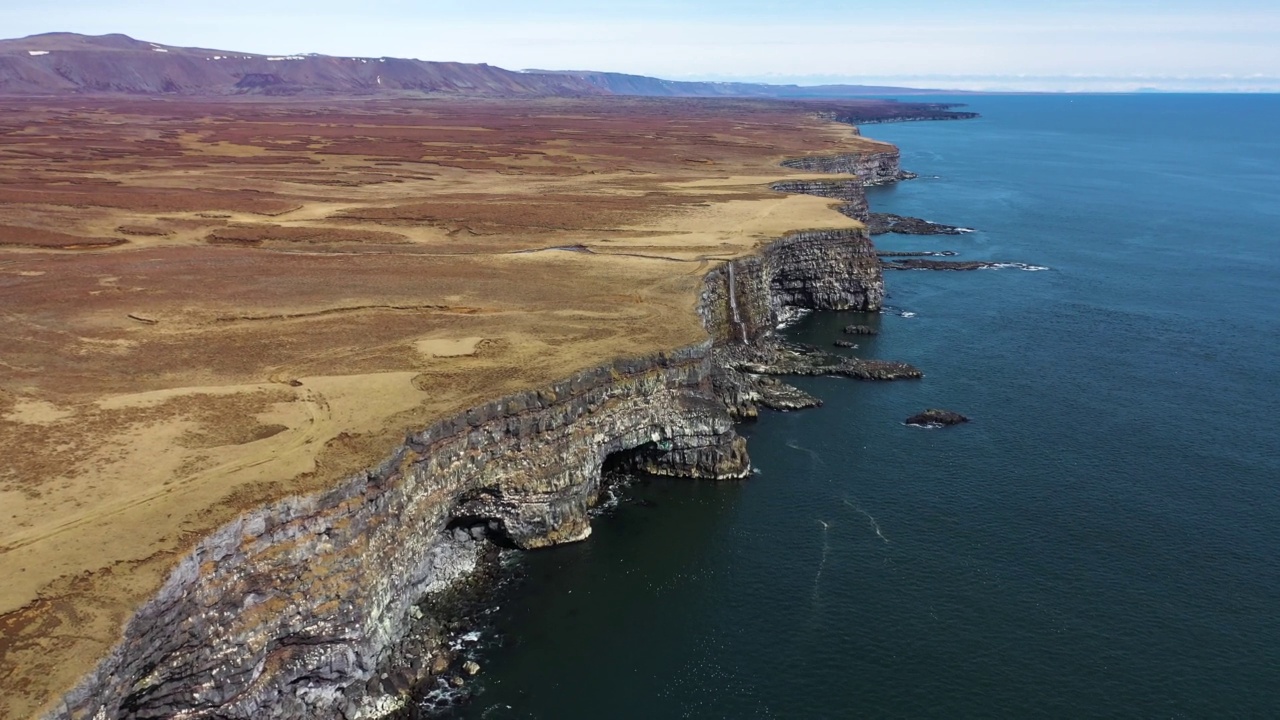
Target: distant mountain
(58,63)
(67,63)
(623,84)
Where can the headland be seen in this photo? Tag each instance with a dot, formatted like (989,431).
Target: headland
(261,360)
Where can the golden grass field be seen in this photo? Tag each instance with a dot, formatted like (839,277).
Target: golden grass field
(205,306)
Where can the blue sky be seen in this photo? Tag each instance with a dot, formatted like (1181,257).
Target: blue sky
(1067,44)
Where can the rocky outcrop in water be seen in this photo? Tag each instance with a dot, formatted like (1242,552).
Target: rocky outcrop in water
(745,374)
(774,357)
(921,264)
(882,223)
(875,169)
(860,330)
(935,417)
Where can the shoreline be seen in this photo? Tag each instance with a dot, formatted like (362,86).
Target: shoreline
(667,413)
(445,688)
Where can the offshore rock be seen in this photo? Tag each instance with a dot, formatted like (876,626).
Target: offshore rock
(935,418)
(776,358)
(777,395)
(860,330)
(881,223)
(921,264)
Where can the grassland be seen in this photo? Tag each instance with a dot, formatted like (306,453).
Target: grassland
(207,306)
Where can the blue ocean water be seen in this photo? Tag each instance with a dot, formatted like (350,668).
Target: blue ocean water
(1102,541)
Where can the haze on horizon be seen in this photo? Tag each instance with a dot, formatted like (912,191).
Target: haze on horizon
(1104,45)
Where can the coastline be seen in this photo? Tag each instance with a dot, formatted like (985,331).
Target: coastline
(668,413)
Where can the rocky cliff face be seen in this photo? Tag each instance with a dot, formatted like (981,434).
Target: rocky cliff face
(873,168)
(851,193)
(293,610)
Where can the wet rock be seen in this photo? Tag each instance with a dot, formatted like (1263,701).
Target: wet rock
(860,330)
(920,253)
(881,223)
(457,681)
(778,395)
(922,264)
(845,344)
(471,667)
(440,664)
(935,417)
(772,357)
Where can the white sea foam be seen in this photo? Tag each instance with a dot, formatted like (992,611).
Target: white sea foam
(907,314)
(826,550)
(874,525)
(1017,266)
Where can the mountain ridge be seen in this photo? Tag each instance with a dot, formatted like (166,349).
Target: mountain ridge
(61,63)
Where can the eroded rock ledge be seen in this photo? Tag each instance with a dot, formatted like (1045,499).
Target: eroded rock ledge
(293,610)
(873,168)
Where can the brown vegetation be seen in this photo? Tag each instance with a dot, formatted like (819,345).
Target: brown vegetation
(289,288)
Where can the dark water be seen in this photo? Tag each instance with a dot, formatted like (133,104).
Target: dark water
(1103,540)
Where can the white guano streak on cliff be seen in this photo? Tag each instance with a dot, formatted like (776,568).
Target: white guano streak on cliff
(733,306)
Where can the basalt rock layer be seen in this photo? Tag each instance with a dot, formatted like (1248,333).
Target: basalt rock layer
(872,168)
(293,610)
(850,192)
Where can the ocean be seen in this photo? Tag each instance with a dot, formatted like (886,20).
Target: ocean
(1102,540)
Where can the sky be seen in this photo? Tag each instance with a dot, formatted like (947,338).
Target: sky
(975,44)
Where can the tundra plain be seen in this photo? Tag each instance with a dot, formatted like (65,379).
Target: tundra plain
(207,306)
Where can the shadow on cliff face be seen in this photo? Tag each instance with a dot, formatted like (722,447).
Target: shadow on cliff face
(468,528)
(631,461)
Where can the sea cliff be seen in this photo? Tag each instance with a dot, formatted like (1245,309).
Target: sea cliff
(294,610)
